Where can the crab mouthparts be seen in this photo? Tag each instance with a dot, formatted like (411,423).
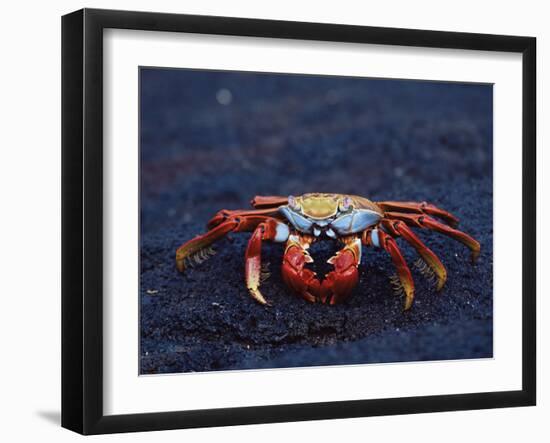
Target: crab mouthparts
(318,230)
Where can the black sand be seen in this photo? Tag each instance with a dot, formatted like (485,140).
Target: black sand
(385,140)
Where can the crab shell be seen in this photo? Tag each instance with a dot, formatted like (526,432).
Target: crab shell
(335,215)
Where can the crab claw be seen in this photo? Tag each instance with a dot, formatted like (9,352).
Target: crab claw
(338,284)
(296,276)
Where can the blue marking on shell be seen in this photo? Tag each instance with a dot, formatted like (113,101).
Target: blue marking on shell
(302,224)
(356,221)
(322,223)
(281,233)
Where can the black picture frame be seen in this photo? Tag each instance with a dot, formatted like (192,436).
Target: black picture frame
(82,218)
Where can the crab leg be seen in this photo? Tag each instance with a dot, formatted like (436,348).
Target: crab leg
(399,228)
(273,201)
(378,238)
(269,230)
(195,248)
(226,214)
(419,208)
(424,221)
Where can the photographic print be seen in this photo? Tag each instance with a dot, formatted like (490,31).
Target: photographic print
(292,220)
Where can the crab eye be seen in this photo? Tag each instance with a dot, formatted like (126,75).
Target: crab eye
(346,204)
(293,203)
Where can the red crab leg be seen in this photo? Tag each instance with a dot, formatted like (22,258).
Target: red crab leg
(424,221)
(271,201)
(253,265)
(194,248)
(387,242)
(225,214)
(399,228)
(419,208)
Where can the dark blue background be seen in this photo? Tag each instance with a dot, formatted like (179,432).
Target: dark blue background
(291,134)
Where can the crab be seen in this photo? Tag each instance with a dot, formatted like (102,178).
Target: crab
(354,222)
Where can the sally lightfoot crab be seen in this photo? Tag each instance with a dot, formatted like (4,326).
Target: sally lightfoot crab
(354,221)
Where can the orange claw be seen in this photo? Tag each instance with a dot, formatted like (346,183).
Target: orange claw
(303,281)
(338,284)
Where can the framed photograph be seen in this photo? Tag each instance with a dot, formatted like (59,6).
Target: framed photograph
(269,221)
